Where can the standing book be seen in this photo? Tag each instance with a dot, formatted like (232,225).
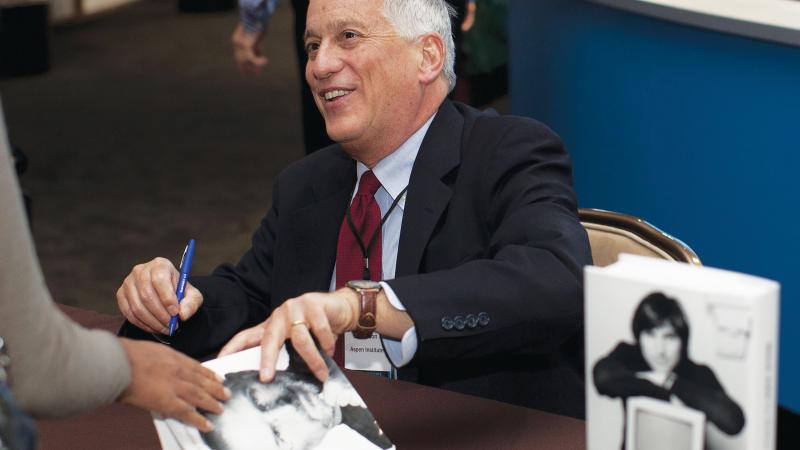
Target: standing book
(294,411)
(679,357)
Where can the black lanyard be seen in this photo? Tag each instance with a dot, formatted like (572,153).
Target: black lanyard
(366,251)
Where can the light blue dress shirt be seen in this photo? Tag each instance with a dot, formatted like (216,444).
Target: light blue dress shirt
(393,172)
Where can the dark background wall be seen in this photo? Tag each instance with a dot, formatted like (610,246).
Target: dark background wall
(691,129)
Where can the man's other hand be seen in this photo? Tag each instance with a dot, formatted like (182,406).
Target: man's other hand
(147,296)
(172,384)
(246,52)
(325,315)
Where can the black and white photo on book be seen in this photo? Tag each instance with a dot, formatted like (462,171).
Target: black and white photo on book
(294,411)
(679,357)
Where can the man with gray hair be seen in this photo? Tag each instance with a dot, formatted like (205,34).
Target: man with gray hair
(249,34)
(451,233)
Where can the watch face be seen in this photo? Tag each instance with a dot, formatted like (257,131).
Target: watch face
(363,284)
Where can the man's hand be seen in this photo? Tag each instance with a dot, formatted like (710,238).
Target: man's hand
(326,315)
(246,52)
(320,315)
(170,383)
(147,296)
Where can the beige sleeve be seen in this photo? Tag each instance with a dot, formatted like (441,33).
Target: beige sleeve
(57,367)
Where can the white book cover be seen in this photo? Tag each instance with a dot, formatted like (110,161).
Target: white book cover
(294,411)
(679,357)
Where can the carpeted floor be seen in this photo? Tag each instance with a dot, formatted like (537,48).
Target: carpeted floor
(144,134)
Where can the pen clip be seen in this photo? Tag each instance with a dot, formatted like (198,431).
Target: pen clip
(183,257)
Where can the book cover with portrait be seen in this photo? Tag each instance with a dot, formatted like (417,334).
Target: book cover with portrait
(679,357)
(294,411)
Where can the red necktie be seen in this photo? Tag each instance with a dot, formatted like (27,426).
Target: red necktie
(350,264)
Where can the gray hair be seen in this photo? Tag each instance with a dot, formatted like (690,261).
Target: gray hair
(413,18)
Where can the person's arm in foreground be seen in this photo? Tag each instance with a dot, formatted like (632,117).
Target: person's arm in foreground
(59,368)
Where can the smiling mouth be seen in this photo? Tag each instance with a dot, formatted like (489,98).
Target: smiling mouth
(334,94)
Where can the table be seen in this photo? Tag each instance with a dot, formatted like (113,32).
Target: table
(412,415)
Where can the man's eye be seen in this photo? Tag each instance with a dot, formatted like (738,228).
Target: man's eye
(312,47)
(349,35)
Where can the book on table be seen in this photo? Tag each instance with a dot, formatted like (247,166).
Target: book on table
(294,411)
(679,357)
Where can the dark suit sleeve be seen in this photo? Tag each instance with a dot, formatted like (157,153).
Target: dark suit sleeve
(527,278)
(234,297)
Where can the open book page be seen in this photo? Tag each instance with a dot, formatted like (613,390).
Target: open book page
(295,411)
(688,339)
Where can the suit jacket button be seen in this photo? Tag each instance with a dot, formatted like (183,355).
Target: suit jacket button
(459,322)
(447,323)
(483,319)
(472,320)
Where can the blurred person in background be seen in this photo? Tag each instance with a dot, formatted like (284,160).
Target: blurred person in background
(482,62)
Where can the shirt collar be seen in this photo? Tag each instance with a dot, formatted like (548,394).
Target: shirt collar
(394,170)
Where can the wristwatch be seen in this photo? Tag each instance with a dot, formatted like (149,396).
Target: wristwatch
(368,291)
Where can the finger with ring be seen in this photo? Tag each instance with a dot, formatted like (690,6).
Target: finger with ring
(300,322)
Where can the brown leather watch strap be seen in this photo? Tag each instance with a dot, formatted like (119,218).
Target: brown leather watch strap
(366,317)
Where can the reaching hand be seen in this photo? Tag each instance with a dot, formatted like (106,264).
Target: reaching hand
(326,315)
(147,296)
(246,52)
(170,383)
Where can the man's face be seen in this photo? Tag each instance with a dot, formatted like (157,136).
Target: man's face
(661,348)
(363,75)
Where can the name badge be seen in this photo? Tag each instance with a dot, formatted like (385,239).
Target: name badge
(365,354)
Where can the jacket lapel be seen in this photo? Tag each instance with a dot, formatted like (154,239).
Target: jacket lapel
(428,195)
(315,227)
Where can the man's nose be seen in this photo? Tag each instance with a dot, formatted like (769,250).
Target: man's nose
(326,61)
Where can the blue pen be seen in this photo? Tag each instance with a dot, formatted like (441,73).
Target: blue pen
(180,291)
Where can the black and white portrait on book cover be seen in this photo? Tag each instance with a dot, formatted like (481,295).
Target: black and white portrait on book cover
(660,376)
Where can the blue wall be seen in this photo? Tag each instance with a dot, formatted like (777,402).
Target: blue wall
(694,130)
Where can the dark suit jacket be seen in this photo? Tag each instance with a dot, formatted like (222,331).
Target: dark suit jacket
(489,262)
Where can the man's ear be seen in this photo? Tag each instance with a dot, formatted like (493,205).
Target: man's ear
(432,61)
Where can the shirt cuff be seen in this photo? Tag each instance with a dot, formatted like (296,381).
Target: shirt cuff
(399,352)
